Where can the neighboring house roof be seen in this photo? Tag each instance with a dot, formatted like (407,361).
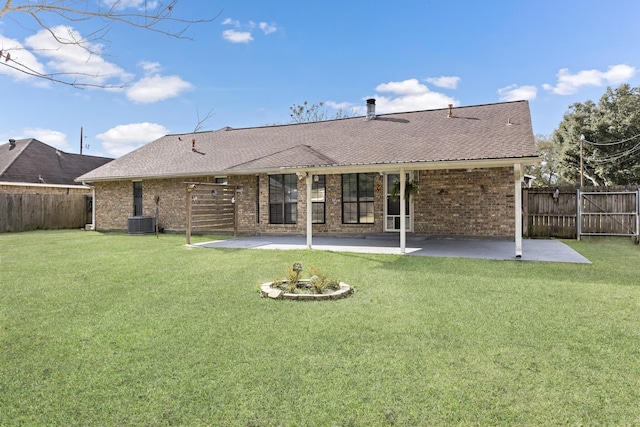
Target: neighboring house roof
(32,161)
(491,132)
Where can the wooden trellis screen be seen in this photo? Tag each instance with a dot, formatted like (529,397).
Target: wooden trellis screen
(211,207)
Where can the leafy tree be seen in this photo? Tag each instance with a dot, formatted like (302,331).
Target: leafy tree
(611,146)
(102,15)
(306,113)
(547,173)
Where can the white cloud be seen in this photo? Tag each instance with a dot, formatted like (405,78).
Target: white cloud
(237,36)
(517,93)
(346,107)
(411,96)
(150,67)
(268,28)
(49,137)
(155,87)
(338,105)
(405,87)
(122,139)
(79,59)
(447,82)
(230,21)
(243,32)
(570,83)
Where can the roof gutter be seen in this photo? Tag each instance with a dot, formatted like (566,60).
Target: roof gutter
(355,168)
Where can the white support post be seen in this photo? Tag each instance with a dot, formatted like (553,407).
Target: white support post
(517,172)
(403,213)
(309,183)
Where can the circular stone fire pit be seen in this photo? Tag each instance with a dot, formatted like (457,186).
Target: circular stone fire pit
(266,291)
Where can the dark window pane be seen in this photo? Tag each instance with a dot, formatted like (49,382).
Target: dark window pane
(350,213)
(317,213)
(276,194)
(365,186)
(290,213)
(349,187)
(137,198)
(276,214)
(357,198)
(283,198)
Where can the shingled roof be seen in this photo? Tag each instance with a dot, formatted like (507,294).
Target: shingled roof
(484,132)
(32,161)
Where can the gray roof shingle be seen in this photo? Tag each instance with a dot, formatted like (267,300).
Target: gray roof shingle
(482,132)
(32,161)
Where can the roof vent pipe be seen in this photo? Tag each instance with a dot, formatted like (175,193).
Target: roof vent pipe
(12,143)
(450,111)
(371,109)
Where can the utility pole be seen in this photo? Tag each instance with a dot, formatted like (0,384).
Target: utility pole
(581,161)
(81,140)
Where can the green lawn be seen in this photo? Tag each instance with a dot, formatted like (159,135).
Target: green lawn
(110,329)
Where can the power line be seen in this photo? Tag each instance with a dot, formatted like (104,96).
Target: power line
(611,143)
(617,156)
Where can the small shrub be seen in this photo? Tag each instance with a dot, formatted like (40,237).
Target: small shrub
(318,283)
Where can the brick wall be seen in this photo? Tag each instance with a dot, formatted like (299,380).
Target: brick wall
(479,202)
(448,202)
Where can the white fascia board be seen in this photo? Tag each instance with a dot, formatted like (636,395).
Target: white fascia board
(339,169)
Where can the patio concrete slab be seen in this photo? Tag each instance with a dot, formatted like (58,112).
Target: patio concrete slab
(532,250)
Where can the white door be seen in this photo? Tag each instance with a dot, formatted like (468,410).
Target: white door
(392,205)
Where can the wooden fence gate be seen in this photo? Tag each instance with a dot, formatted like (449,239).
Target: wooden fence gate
(569,213)
(211,207)
(615,213)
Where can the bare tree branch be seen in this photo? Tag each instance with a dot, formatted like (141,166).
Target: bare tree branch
(202,121)
(106,14)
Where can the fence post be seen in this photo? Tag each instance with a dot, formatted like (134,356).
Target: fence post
(578,215)
(638,216)
(525,212)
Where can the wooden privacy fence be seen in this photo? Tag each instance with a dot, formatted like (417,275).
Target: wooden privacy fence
(24,212)
(612,213)
(211,207)
(569,213)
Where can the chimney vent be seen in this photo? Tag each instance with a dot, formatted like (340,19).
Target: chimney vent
(371,109)
(12,143)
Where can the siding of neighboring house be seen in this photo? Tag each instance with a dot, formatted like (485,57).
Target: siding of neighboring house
(479,203)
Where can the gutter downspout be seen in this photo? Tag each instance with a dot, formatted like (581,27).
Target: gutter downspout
(517,172)
(93,207)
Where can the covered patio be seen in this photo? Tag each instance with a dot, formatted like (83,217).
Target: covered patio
(533,250)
